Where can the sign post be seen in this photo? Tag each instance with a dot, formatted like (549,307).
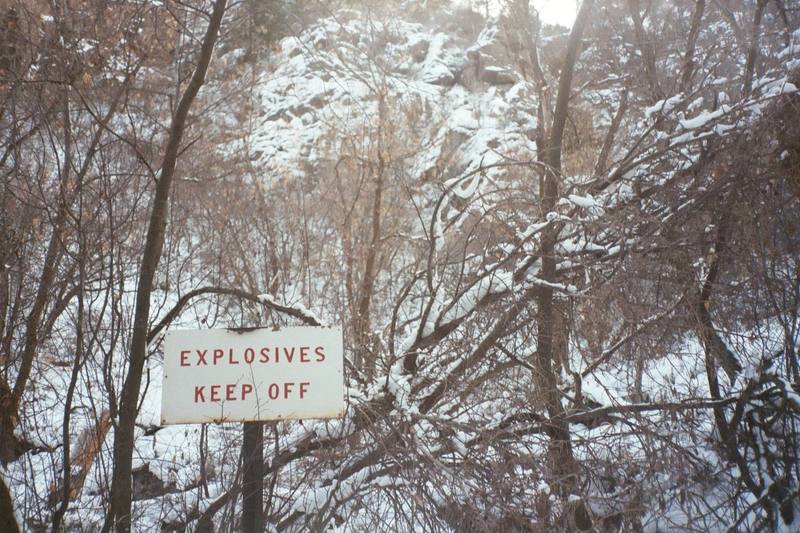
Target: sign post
(252,477)
(250,376)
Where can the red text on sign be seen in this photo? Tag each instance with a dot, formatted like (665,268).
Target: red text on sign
(232,392)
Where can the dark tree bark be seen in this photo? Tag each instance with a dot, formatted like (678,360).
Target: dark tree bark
(688,57)
(752,52)
(611,135)
(8,523)
(645,45)
(58,515)
(252,477)
(366,288)
(120,509)
(563,469)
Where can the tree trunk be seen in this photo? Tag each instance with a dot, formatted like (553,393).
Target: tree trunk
(8,523)
(562,467)
(694,32)
(645,45)
(752,52)
(120,509)
(252,477)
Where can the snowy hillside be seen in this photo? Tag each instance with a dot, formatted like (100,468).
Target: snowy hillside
(455,100)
